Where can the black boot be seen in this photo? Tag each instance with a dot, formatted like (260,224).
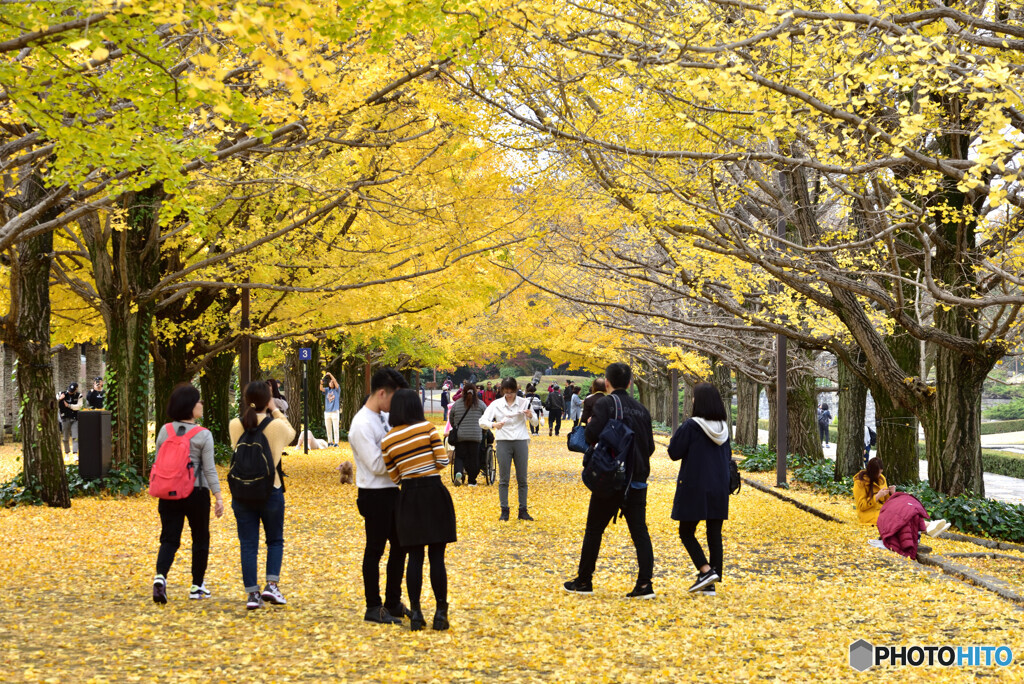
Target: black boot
(441,617)
(504,515)
(417,621)
(524,515)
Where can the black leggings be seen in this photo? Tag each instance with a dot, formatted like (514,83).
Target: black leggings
(173,513)
(687,530)
(467,459)
(438,575)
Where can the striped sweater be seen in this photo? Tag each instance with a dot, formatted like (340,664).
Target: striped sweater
(413,451)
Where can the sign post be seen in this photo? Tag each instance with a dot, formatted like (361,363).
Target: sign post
(305,354)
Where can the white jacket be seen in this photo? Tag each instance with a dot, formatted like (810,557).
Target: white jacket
(513,417)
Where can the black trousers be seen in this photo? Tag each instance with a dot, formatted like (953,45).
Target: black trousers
(438,575)
(467,460)
(196,509)
(600,513)
(823,431)
(378,506)
(554,421)
(687,533)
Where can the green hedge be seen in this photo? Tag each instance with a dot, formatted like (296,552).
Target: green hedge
(1000,426)
(1002,463)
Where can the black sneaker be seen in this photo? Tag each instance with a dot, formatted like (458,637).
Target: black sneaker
(381,616)
(159,589)
(644,592)
(254,601)
(504,515)
(524,514)
(704,579)
(398,611)
(578,586)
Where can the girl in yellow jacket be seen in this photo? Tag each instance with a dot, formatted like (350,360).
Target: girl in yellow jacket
(870,491)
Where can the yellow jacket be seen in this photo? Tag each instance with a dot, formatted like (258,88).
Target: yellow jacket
(867,506)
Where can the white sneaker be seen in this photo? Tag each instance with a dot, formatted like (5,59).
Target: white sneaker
(198,593)
(936,527)
(271,594)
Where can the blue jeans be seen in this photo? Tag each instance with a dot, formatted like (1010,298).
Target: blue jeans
(248,517)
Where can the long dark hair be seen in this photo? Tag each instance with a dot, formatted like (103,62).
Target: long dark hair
(406,408)
(257,396)
(183,401)
(707,402)
(469,395)
(871,476)
(275,389)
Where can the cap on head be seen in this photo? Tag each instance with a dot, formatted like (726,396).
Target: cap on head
(73,387)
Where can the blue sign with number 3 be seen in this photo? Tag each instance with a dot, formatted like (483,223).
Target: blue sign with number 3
(305,353)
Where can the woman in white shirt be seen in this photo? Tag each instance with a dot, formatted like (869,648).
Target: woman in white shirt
(510,418)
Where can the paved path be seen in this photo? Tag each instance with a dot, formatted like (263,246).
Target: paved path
(998,487)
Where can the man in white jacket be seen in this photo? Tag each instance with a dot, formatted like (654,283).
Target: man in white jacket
(377,499)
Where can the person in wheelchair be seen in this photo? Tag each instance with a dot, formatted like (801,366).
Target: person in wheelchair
(466,436)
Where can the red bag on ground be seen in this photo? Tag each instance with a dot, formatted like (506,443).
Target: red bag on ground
(173,475)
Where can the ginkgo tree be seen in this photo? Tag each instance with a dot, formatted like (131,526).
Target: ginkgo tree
(866,159)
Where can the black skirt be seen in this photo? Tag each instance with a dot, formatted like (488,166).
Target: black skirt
(426,514)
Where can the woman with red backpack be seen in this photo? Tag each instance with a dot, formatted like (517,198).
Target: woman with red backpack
(184,408)
(262,420)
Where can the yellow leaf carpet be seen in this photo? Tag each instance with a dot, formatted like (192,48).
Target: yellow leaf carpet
(76,601)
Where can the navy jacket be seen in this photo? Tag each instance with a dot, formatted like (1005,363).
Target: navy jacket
(637,417)
(702,490)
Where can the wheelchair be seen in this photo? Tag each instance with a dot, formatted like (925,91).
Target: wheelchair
(488,464)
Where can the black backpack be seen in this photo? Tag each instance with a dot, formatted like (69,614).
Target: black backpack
(735,481)
(251,474)
(608,466)
(872,437)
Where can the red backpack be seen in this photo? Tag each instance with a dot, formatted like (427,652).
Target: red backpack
(173,475)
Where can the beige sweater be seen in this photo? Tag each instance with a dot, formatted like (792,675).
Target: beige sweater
(279,434)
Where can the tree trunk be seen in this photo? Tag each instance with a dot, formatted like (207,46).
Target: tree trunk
(293,383)
(124,275)
(69,367)
(215,386)
(352,395)
(93,362)
(9,404)
(5,390)
(721,378)
(686,403)
(655,393)
(316,398)
(802,402)
(953,423)
(748,395)
(853,396)
(170,367)
(42,458)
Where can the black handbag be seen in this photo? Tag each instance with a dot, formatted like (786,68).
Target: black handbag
(734,478)
(453,434)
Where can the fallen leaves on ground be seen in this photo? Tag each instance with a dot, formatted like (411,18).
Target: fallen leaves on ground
(797,592)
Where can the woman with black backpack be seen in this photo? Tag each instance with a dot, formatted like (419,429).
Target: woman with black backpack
(702,489)
(466,434)
(255,502)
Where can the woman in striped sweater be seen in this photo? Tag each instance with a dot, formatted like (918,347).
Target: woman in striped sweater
(415,457)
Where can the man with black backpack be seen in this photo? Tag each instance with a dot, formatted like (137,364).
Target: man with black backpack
(556,407)
(628,496)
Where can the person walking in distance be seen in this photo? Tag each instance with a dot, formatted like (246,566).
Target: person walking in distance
(555,407)
(415,457)
(332,408)
(536,404)
(567,399)
(575,406)
(445,400)
(597,391)
(511,416)
(377,499)
(69,403)
(465,420)
(261,415)
(824,420)
(702,489)
(633,502)
(184,408)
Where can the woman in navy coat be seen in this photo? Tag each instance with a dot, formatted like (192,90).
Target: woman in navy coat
(702,490)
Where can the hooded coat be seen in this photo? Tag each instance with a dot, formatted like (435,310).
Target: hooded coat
(702,489)
(901,522)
